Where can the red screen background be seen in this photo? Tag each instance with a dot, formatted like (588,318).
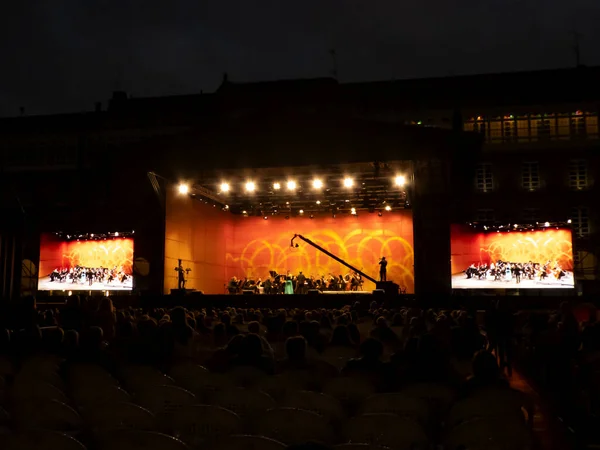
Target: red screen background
(471,247)
(217,245)
(56,253)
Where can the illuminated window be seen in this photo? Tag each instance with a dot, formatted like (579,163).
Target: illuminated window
(578,174)
(530,176)
(495,131)
(509,129)
(531,215)
(484,216)
(580,221)
(484,178)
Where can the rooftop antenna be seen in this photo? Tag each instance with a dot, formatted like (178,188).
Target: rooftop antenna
(334,70)
(577,47)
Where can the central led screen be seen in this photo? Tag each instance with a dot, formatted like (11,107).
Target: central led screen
(504,258)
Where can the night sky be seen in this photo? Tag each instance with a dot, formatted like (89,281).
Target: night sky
(64,55)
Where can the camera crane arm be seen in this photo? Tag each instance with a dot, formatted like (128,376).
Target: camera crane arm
(331,255)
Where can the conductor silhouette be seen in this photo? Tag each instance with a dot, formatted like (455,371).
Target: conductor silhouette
(180,275)
(383,269)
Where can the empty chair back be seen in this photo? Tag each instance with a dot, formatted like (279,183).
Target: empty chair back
(242,442)
(440,397)
(491,433)
(351,391)
(398,404)
(108,416)
(244,402)
(386,430)
(138,440)
(137,377)
(90,375)
(85,395)
(164,399)
(322,404)
(203,425)
(46,415)
(39,440)
(25,389)
(295,426)
(189,376)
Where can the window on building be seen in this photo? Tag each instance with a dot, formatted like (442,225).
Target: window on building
(531,215)
(536,127)
(530,176)
(485,216)
(578,174)
(484,178)
(509,129)
(580,221)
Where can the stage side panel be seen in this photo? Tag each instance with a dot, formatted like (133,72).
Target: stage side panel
(52,250)
(261,245)
(466,245)
(196,233)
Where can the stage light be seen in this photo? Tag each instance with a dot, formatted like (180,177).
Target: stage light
(291,185)
(317,184)
(250,186)
(400,180)
(569,221)
(348,182)
(353,211)
(276,186)
(92,235)
(265,217)
(388,208)
(318,202)
(301,211)
(117,234)
(224,187)
(244,212)
(516,226)
(547,224)
(183,189)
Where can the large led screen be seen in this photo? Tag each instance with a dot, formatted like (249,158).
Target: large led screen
(85,262)
(511,259)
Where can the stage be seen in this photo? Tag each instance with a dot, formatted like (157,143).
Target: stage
(45,284)
(460,281)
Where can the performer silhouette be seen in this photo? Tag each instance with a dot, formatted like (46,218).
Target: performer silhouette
(181,272)
(383,269)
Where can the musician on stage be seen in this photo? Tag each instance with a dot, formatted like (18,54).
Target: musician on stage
(383,269)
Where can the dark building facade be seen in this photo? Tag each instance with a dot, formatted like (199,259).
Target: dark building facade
(539,160)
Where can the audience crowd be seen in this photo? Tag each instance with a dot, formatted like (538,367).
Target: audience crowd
(89,376)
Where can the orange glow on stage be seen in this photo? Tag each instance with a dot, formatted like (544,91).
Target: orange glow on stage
(262,245)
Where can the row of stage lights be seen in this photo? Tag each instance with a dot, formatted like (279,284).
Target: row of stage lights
(519,227)
(353,212)
(291,185)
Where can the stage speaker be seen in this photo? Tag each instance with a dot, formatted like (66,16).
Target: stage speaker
(378,292)
(247,292)
(314,291)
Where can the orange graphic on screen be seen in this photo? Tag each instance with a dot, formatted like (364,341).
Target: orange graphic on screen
(108,253)
(261,246)
(535,246)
